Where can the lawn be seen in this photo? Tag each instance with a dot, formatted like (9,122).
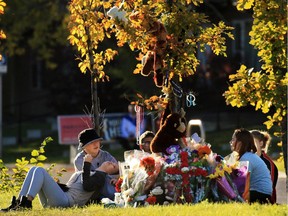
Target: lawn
(203,208)
(60,154)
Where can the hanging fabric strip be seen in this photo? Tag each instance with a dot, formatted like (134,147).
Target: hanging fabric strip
(139,121)
(177,90)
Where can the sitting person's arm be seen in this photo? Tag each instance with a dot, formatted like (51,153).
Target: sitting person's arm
(92,182)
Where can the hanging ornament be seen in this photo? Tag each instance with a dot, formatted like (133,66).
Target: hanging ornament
(190,100)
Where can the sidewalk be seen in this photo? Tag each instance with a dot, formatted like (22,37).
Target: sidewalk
(281,187)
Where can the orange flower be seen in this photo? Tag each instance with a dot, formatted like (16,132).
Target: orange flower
(204,150)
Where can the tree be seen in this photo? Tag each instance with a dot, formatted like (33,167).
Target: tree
(2,34)
(266,90)
(165,34)
(36,27)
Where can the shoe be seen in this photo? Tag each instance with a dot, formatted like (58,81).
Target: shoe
(23,204)
(14,203)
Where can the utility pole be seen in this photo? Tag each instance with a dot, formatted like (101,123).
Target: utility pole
(3,70)
(1,115)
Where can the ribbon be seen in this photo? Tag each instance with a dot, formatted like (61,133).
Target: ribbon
(139,121)
(177,90)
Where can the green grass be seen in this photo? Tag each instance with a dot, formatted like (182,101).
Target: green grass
(203,208)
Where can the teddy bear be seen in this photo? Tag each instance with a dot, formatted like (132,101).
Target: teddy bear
(173,128)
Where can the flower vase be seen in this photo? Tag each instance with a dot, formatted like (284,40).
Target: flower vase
(225,187)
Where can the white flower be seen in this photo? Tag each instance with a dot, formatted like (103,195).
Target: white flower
(157,191)
(184,169)
(129,192)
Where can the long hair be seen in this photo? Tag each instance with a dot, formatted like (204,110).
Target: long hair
(263,136)
(247,142)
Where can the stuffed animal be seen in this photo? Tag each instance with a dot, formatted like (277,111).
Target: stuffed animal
(173,128)
(118,14)
(153,61)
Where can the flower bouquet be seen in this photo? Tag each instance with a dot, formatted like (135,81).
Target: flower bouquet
(239,176)
(221,173)
(138,176)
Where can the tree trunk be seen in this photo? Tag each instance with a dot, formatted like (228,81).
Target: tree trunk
(284,142)
(94,93)
(95,104)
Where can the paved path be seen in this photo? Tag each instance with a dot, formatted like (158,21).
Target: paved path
(281,188)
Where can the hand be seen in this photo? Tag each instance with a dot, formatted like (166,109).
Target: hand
(88,158)
(113,181)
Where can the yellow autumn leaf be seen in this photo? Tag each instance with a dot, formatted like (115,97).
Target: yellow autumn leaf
(2,3)
(234,102)
(41,150)
(33,161)
(2,35)
(40,164)
(34,153)
(258,104)
(84,38)
(266,106)
(41,158)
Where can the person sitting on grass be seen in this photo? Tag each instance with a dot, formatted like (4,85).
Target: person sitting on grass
(262,140)
(76,192)
(90,143)
(260,181)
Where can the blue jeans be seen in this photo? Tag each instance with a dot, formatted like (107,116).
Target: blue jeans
(38,181)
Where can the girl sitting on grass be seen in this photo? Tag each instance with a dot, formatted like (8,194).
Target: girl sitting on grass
(262,140)
(260,181)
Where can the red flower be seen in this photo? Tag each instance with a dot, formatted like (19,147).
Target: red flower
(118,185)
(151,200)
(173,170)
(185,177)
(149,164)
(184,158)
